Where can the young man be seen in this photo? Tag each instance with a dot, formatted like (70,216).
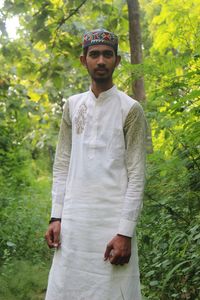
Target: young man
(98,183)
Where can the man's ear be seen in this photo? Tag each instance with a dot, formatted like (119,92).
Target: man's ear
(118,59)
(83,60)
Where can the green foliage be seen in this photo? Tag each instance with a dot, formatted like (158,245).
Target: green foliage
(23,221)
(28,283)
(169,228)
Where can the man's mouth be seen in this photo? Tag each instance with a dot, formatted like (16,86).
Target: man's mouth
(101,70)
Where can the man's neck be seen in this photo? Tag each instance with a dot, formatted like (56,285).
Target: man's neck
(98,88)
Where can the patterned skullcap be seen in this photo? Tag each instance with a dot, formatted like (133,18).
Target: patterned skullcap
(100,37)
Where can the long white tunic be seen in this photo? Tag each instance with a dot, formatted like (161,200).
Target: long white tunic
(98,183)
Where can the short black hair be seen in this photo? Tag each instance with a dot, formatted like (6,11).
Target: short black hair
(85,51)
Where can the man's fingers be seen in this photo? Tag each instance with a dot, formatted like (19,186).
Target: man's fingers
(108,251)
(56,240)
(124,261)
(118,250)
(52,235)
(49,239)
(52,238)
(119,260)
(114,258)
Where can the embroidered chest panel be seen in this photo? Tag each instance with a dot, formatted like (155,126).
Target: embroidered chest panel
(80,119)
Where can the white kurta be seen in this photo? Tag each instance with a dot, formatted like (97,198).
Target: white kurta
(98,183)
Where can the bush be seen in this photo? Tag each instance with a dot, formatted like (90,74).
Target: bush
(21,280)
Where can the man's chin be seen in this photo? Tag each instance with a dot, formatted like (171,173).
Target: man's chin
(100,79)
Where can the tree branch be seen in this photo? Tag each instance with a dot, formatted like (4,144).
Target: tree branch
(64,19)
(169,209)
(44,5)
(189,155)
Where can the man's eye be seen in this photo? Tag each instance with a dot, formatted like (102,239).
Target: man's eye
(93,54)
(108,54)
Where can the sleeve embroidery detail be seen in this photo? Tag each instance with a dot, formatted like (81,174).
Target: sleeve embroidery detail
(135,137)
(61,163)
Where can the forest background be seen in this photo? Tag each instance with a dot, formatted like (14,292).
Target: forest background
(40,68)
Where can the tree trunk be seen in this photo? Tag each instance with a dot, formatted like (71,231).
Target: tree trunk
(135,46)
(136,58)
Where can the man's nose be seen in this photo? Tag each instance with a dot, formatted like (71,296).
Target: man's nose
(101,60)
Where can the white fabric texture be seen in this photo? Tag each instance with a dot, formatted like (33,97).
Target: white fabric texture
(98,183)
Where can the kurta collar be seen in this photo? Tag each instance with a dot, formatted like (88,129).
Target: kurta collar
(104,95)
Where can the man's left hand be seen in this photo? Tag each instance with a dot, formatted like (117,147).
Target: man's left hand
(118,250)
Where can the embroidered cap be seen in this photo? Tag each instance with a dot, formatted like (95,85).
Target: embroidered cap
(100,37)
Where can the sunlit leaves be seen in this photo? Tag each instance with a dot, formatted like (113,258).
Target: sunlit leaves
(175,26)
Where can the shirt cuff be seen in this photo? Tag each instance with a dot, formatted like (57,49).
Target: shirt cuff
(127,227)
(56,211)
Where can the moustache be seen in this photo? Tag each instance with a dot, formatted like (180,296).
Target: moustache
(101,69)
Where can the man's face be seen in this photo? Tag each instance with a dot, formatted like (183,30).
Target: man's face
(100,62)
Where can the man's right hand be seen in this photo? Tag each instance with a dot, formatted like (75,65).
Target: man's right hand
(52,235)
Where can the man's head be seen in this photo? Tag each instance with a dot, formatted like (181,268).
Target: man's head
(100,54)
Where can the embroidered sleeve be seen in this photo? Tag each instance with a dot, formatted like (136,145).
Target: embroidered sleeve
(61,163)
(135,137)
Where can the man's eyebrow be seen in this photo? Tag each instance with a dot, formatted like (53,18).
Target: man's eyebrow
(94,51)
(99,52)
